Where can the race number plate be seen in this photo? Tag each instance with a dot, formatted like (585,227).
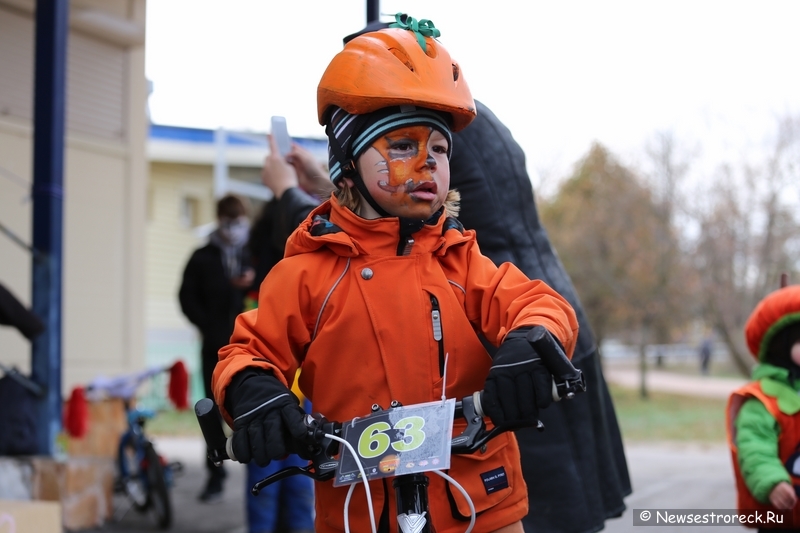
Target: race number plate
(405,440)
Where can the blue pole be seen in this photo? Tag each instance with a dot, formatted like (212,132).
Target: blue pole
(48,198)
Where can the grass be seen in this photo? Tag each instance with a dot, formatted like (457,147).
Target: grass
(669,417)
(174,423)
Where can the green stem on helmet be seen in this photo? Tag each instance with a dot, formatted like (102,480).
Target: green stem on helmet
(421,28)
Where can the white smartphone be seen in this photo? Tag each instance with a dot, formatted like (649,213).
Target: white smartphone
(281,135)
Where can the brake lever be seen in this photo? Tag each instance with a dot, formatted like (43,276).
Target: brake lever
(475,434)
(282,474)
(321,449)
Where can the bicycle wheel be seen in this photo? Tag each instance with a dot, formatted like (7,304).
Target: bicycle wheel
(132,481)
(158,492)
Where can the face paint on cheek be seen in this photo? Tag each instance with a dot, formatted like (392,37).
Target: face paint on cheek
(406,153)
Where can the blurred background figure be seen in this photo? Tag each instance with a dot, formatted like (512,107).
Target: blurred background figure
(296,182)
(17,392)
(705,355)
(580,453)
(212,293)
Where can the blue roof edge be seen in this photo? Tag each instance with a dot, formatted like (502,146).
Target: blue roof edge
(238,138)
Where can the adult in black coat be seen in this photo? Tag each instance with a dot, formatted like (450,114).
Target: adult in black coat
(212,296)
(576,471)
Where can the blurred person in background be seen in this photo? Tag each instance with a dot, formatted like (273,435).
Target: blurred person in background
(18,394)
(212,292)
(763,418)
(705,355)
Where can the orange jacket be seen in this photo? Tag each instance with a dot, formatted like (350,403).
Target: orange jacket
(358,319)
(788,440)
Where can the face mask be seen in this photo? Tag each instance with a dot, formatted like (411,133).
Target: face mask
(234,232)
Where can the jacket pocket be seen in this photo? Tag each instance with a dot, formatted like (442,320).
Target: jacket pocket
(487,476)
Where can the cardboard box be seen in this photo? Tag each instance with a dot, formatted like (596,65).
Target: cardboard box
(18,516)
(107,423)
(82,485)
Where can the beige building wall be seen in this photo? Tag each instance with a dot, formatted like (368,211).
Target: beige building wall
(104,183)
(180,199)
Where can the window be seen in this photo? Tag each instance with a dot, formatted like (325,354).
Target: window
(190,212)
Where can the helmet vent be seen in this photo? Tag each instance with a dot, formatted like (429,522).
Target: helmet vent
(404,59)
(456,72)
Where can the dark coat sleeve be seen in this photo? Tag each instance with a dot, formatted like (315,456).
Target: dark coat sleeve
(576,471)
(293,207)
(191,291)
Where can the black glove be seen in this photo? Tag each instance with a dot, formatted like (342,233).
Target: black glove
(268,422)
(518,384)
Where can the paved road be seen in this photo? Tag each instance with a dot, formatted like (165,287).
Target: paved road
(665,476)
(672,476)
(685,384)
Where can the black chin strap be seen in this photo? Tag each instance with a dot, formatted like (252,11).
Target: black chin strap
(362,188)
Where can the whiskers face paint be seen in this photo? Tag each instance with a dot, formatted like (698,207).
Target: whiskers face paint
(407,172)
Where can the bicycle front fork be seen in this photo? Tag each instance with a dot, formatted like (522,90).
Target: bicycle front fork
(411,493)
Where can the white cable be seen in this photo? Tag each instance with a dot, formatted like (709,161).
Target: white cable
(347,508)
(366,485)
(462,491)
(444,377)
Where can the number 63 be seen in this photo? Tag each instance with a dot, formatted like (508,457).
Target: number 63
(373,442)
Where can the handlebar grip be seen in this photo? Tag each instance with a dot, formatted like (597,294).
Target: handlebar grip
(567,380)
(210,421)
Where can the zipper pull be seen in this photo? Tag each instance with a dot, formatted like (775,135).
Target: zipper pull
(408,246)
(436,318)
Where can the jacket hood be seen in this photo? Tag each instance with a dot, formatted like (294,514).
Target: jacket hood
(348,235)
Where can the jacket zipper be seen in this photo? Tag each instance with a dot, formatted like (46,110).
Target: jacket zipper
(438,336)
(405,246)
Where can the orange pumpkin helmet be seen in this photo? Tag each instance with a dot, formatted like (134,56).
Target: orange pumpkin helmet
(390,68)
(778,310)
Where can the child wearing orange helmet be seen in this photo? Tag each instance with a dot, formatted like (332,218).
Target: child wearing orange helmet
(764,415)
(381,290)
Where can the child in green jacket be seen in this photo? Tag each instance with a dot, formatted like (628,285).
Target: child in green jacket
(764,415)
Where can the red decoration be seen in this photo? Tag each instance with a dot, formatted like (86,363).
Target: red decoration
(179,386)
(76,414)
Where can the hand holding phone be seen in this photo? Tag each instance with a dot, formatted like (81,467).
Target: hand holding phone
(280,135)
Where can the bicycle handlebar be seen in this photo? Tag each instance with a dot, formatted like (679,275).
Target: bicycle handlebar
(322,453)
(322,450)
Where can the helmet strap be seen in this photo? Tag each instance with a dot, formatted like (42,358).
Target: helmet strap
(349,170)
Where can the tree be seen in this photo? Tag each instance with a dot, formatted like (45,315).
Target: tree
(618,244)
(749,234)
